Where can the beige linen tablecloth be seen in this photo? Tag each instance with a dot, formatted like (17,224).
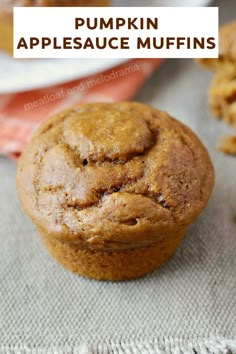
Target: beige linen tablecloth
(187,306)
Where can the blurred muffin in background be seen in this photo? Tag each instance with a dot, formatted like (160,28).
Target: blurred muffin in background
(112,187)
(222,90)
(227,49)
(6,15)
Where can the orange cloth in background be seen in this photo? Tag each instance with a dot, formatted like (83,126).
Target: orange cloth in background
(21,113)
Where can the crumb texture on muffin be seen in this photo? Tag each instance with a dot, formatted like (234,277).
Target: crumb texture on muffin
(114,176)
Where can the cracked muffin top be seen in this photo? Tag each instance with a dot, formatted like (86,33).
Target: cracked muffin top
(227,49)
(113,175)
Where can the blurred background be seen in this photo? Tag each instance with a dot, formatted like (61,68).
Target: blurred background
(56,308)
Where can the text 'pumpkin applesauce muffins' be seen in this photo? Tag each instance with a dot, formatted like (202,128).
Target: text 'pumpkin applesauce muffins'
(113,187)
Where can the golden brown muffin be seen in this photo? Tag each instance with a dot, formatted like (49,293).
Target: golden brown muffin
(113,187)
(6,17)
(227,49)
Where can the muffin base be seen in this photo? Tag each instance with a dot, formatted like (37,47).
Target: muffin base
(111,265)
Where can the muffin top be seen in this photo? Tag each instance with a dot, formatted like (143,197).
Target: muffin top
(227,48)
(113,175)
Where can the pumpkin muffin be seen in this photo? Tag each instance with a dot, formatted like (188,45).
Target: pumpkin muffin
(113,187)
(6,15)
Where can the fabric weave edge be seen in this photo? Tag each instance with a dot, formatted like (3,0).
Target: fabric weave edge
(154,346)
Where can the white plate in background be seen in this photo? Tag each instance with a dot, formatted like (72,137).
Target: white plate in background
(22,75)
